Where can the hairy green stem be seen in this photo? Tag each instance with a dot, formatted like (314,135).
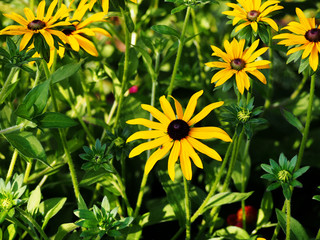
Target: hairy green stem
(125,73)
(12,164)
(270,77)
(308,121)
(187,209)
(7,83)
(63,138)
(181,44)
(27,171)
(288,203)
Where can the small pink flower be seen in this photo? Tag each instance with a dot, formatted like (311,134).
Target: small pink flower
(133,89)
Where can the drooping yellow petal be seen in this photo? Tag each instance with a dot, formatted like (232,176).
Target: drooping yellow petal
(48,37)
(240,81)
(191,106)
(208,133)
(101,31)
(149,145)
(25,40)
(148,134)
(270,22)
(156,114)
(178,108)
(222,76)
(203,148)
(259,75)
(254,26)
(166,108)
(242,25)
(87,45)
(147,123)
(307,50)
(156,156)
(204,112)
(59,34)
(190,151)
(173,157)
(185,162)
(314,58)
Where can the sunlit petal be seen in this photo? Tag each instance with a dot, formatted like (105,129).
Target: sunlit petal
(199,146)
(148,134)
(208,133)
(204,112)
(191,106)
(147,123)
(167,109)
(185,162)
(178,108)
(190,151)
(173,158)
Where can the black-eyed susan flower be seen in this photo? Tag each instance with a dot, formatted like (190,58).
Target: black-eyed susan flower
(76,36)
(238,62)
(176,132)
(251,12)
(305,36)
(41,24)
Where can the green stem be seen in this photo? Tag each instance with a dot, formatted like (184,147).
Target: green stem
(270,77)
(7,83)
(181,43)
(11,129)
(17,223)
(243,183)
(27,171)
(125,73)
(187,208)
(288,201)
(308,121)
(140,194)
(12,164)
(63,138)
(318,235)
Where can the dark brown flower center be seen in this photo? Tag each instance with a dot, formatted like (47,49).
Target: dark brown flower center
(178,129)
(36,25)
(238,64)
(313,35)
(68,31)
(253,15)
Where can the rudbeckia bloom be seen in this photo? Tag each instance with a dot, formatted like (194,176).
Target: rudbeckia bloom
(176,132)
(76,37)
(252,13)
(305,35)
(39,24)
(238,62)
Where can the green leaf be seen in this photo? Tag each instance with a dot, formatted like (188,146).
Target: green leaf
(115,80)
(178,9)
(65,72)
(10,89)
(163,29)
(297,231)
(147,61)
(51,207)
(129,22)
(105,203)
(11,46)
(232,232)
(303,65)
(34,200)
(293,120)
(316,197)
(265,211)
(175,195)
(300,171)
(226,198)
(54,120)
(28,145)
(64,229)
(4,53)
(34,102)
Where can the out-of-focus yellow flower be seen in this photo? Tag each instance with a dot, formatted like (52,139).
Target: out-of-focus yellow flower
(251,12)
(176,132)
(238,62)
(304,36)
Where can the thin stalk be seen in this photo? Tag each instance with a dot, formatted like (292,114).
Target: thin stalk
(125,72)
(308,121)
(288,201)
(140,194)
(270,77)
(243,182)
(12,164)
(63,138)
(181,43)
(277,229)
(11,129)
(187,208)
(27,171)
(6,84)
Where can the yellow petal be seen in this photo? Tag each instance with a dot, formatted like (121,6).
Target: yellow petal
(40,10)
(98,17)
(85,31)
(178,108)
(147,123)
(50,10)
(148,134)
(229,49)
(156,114)
(191,106)
(267,4)
(149,145)
(259,75)
(242,25)
(314,58)
(257,54)
(18,18)
(173,157)
(217,64)
(87,45)
(25,40)
(190,151)
(204,112)
(59,34)
(29,14)
(48,37)
(105,6)
(240,81)
(270,22)
(218,52)
(101,31)
(303,20)
(203,148)
(209,132)
(307,50)
(185,162)
(166,108)
(156,156)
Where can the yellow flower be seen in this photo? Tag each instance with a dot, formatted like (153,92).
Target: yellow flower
(75,37)
(176,132)
(39,24)
(306,35)
(253,13)
(238,62)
